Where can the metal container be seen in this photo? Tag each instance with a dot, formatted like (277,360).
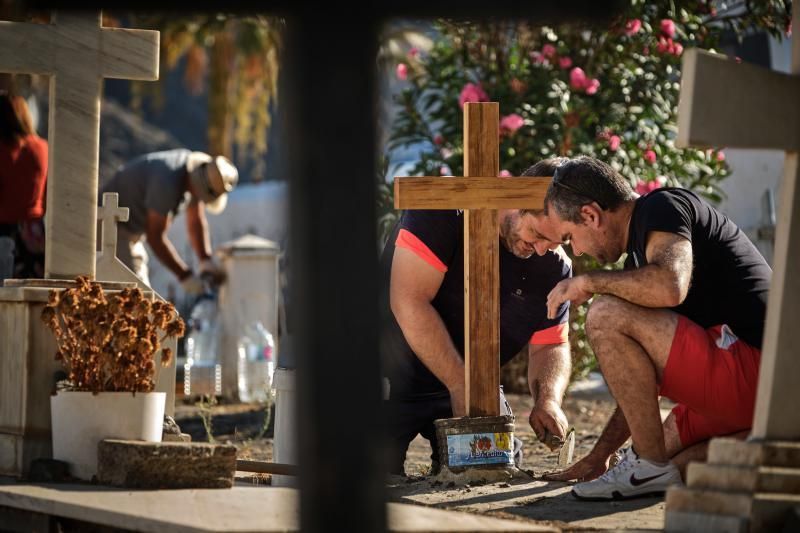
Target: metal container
(485,442)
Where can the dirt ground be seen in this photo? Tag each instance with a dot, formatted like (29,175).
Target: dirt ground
(528,499)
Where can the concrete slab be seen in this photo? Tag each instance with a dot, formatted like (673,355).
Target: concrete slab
(233,510)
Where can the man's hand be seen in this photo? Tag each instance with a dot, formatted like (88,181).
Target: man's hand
(192,285)
(574,290)
(547,417)
(211,270)
(587,469)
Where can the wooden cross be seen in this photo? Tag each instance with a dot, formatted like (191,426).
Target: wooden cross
(480,193)
(109,214)
(77,53)
(724,103)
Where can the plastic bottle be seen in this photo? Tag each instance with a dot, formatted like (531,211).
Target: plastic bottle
(256,349)
(203,371)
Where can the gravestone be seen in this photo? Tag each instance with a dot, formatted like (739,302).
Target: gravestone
(76,52)
(724,103)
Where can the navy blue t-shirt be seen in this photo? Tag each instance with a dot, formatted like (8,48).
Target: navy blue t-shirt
(438,237)
(730,278)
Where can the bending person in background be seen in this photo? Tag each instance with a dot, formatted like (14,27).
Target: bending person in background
(155,187)
(23,180)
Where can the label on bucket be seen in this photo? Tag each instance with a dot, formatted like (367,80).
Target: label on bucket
(480,449)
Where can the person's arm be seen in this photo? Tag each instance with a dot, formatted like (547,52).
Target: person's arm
(663,282)
(197,228)
(549,367)
(597,461)
(413,285)
(156,233)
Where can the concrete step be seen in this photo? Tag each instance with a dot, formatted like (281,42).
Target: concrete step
(728,451)
(747,479)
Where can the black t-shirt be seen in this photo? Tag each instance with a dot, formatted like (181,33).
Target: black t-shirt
(730,278)
(438,237)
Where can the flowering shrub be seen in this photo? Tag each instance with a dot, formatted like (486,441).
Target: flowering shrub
(110,344)
(609,92)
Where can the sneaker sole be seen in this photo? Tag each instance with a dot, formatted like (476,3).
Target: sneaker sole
(616,496)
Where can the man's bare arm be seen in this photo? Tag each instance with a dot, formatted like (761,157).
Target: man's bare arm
(197,228)
(414,283)
(156,233)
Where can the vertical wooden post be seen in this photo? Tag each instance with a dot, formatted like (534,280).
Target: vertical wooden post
(481,266)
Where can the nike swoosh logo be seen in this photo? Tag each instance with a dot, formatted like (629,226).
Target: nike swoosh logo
(636,481)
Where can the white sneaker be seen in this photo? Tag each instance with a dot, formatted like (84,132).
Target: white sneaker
(632,477)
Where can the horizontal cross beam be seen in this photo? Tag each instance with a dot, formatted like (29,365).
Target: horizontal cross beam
(723,103)
(427,192)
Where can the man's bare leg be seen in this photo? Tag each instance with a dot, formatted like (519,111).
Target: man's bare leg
(632,344)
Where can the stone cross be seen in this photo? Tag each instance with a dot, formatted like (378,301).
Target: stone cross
(480,193)
(77,52)
(724,103)
(109,214)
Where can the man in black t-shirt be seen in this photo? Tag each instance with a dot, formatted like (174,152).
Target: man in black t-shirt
(423,339)
(684,319)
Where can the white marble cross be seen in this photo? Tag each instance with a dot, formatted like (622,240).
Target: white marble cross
(77,52)
(724,103)
(109,214)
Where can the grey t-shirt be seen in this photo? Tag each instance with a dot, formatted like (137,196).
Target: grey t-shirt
(150,181)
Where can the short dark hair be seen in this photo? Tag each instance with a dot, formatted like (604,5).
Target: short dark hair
(544,168)
(583,180)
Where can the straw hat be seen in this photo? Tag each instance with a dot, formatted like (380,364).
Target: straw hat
(212,179)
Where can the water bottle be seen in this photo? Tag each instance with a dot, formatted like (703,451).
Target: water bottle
(256,349)
(203,371)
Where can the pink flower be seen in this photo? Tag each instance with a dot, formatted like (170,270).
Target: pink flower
(677,49)
(511,123)
(539,59)
(472,93)
(789,29)
(438,140)
(633,26)
(444,170)
(548,51)
(614,142)
(413,52)
(504,174)
(577,79)
(650,156)
(664,45)
(646,51)
(668,28)
(402,71)
(592,86)
(564,62)
(720,156)
(644,187)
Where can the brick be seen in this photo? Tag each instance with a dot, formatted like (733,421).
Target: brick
(165,465)
(747,453)
(748,479)
(766,512)
(685,521)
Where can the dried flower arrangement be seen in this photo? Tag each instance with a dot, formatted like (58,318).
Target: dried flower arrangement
(110,344)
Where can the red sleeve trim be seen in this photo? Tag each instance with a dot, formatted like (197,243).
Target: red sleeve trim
(409,241)
(553,335)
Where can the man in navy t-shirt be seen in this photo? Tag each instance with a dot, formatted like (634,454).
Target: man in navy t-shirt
(684,319)
(423,343)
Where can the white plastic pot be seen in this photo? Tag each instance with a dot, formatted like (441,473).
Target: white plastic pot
(80,420)
(284,445)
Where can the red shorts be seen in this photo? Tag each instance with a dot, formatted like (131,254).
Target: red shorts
(713,376)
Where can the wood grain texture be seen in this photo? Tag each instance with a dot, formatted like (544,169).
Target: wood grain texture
(427,192)
(722,103)
(482,266)
(13,365)
(77,52)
